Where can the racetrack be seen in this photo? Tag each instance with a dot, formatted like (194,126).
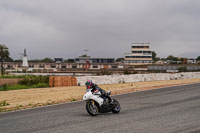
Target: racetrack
(165,110)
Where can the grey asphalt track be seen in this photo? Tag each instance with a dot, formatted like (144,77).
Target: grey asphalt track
(165,110)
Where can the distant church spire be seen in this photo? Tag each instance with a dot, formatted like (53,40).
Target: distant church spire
(25,52)
(25,60)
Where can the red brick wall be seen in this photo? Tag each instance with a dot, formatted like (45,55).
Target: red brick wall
(55,81)
(9,81)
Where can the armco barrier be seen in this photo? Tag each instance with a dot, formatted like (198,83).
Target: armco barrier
(59,81)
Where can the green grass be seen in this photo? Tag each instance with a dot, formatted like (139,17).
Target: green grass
(32,80)
(12,76)
(26,82)
(18,87)
(73,100)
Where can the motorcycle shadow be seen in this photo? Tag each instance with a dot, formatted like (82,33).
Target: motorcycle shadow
(99,115)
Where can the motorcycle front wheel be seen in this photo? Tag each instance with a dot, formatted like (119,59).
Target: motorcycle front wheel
(115,106)
(92,108)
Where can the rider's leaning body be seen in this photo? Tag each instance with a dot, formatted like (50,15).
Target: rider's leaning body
(90,85)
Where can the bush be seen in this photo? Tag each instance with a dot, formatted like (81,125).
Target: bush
(18,87)
(182,69)
(5,87)
(28,82)
(104,72)
(31,80)
(127,72)
(4,103)
(40,85)
(12,76)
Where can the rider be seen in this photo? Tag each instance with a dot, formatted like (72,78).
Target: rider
(95,88)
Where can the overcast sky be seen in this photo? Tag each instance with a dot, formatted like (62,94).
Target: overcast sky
(64,28)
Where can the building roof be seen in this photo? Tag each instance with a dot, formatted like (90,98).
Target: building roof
(140,44)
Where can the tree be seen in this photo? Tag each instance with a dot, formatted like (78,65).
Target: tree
(172,58)
(9,59)
(119,60)
(198,58)
(154,56)
(47,60)
(4,54)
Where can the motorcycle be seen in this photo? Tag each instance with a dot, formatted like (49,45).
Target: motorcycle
(96,104)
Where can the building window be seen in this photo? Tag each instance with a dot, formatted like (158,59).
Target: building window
(95,66)
(138,56)
(147,52)
(110,61)
(64,66)
(9,66)
(103,61)
(140,46)
(74,66)
(137,61)
(114,67)
(31,65)
(41,66)
(94,61)
(53,66)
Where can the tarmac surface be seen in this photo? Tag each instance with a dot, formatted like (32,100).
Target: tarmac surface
(166,110)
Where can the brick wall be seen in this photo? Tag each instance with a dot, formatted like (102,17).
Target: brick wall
(59,81)
(9,81)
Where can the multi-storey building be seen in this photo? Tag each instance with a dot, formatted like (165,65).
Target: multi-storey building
(140,54)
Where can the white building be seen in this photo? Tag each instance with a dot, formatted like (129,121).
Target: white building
(24,60)
(191,61)
(140,54)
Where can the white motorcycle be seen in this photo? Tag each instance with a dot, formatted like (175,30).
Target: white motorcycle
(96,104)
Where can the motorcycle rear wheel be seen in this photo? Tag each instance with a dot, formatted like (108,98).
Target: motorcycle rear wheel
(92,108)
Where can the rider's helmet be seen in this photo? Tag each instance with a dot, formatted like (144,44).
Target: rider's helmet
(88,84)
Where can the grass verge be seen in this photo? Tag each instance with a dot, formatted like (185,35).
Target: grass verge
(18,87)
(12,76)
(26,82)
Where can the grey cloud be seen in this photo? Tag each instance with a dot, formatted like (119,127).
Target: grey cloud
(49,28)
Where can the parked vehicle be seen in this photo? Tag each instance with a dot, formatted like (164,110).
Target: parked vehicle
(96,104)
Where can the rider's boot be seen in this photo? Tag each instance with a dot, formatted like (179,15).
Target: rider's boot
(110,101)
